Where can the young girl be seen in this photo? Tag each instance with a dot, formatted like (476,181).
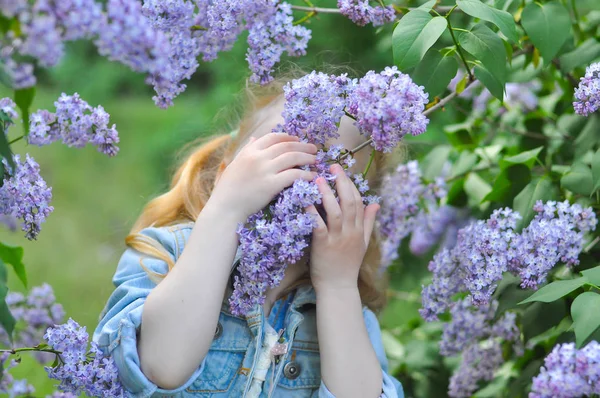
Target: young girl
(168,325)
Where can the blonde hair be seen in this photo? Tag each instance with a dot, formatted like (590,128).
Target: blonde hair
(195,177)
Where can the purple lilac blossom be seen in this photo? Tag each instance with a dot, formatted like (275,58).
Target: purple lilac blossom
(8,384)
(75,19)
(314,106)
(269,35)
(59,394)
(361,12)
(569,373)
(387,106)
(175,18)
(9,108)
(587,94)
(522,96)
(42,37)
(402,193)
(11,8)
(480,362)
(76,124)
(430,226)
(25,195)
(127,36)
(80,370)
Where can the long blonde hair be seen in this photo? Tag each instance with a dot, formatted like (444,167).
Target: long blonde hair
(195,177)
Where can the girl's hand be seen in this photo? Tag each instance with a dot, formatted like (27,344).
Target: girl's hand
(338,247)
(261,170)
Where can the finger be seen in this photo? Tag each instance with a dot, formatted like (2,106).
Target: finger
(287,177)
(331,206)
(273,138)
(292,159)
(321,228)
(370,215)
(280,148)
(347,200)
(360,208)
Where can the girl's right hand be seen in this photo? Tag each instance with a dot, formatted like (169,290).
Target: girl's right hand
(261,170)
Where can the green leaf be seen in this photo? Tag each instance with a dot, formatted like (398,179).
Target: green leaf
(13,255)
(462,84)
(555,290)
(24,99)
(527,158)
(465,162)
(502,19)
(487,47)
(583,54)
(543,189)
(596,169)
(495,86)
(476,187)
(579,179)
(427,6)
(5,150)
(434,72)
(434,161)
(592,275)
(548,26)
(589,135)
(584,311)
(509,183)
(416,32)
(6,319)
(5,78)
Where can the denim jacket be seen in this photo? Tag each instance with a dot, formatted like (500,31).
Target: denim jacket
(233,359)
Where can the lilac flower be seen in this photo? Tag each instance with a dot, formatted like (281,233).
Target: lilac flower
(269,35)
(8,384)
(11,8)
(479,362)
(127,36)
(62,395)
(36,312)
(314,106)
(221,23)
(430,226)
(75,19)
(403,193)
(9,108)
(43,40)
(387,106)
(569,373)
(522,96)
(25,195)
(361,12)
(587,95)
(20,74)
(75,123)
(81,371)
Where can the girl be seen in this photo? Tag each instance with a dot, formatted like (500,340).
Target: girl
(168,325)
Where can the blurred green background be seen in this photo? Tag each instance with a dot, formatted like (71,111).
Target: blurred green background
(97,199)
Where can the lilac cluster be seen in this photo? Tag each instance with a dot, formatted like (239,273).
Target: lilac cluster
(569,372)
(270,33)
(76,124)
(387,106)
(33,314)
(479,362)
(361,12)
(25,195)
(409,204)
(8,384)
(487,249)
(314,106)
(587,95)
(81,371)
(9,108)
(220,23)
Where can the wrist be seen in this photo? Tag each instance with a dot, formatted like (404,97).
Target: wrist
(338,290)
(216,209)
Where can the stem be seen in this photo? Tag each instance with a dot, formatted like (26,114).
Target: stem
(369,164)
(305,18)
(198,27)
(321,10)
(459,49)
(591,245)
(16,139)
(351,116)
(23,349)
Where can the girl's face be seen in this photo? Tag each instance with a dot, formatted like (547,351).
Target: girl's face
(269,117)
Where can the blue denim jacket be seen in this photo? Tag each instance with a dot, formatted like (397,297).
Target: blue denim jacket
(229,366)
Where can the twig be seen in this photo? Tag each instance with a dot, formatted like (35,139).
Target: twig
(16,139)
(591,245)
(458,47)
(321,10)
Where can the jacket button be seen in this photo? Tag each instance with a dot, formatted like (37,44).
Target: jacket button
(291,370)
(219,330)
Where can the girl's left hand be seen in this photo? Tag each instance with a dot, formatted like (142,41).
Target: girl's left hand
(338,247)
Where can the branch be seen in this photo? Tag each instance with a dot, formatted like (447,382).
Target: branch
(321,10)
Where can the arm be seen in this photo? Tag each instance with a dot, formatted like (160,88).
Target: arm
(349,364)
(181,313)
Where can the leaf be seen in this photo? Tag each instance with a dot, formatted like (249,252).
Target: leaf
(583,54)
(495,86)
(527,158)
(465,162)
(24,99)
(5,150)
(548,26)
(435,160)
(476,187)
(434,72)
(487,47)
(543,190)
(555,290)
(596,170)
(589,135)
(462,84)
(592,275)
(416,32)
(427,6)
(13,255)
(584,311)
(6,319)
(502,19)
(509,182)
(579,179)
